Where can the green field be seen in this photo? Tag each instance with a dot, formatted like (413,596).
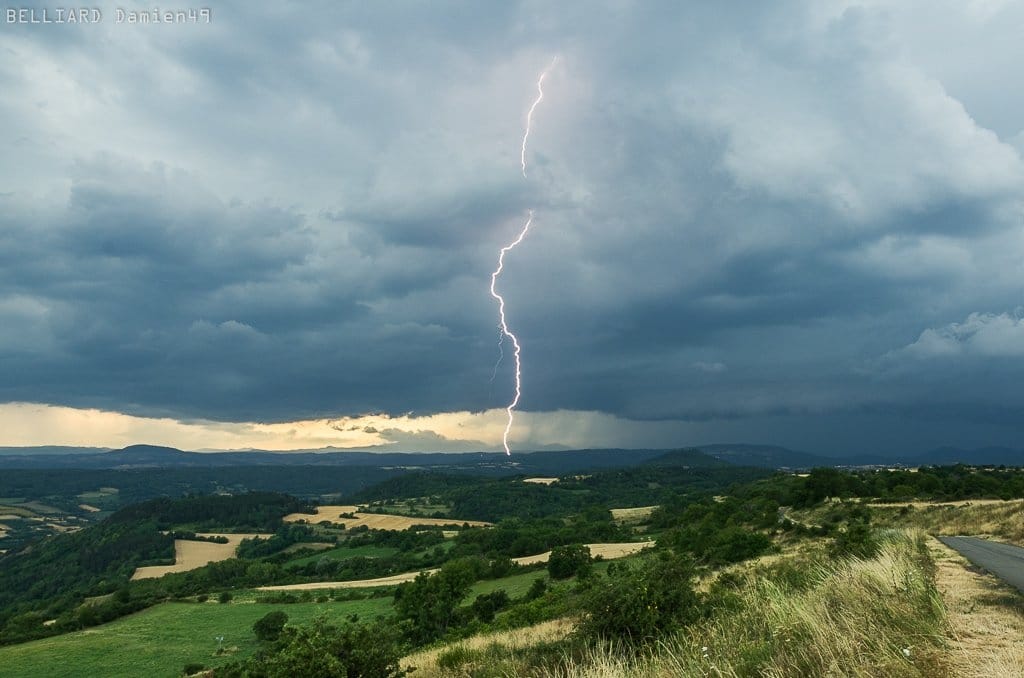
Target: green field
(10,509)
(424,510)
(159,641)
(99,494)
(517,585)
(40,507)
(344,553)
(100,498)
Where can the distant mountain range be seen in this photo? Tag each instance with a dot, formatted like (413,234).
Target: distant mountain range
(771,456)
(536,463)
(50,449)
(153,456)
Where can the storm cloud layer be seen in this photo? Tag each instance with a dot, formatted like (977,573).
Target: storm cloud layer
(797,223)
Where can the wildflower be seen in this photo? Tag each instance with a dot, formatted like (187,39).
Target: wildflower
(906,652)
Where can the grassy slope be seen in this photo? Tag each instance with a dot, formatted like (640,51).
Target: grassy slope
(1003,520)
(856,617)
(161,640)
(848,617)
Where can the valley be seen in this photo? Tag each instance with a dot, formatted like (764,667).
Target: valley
(464,574)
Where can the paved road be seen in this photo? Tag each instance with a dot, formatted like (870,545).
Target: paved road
(1003,560)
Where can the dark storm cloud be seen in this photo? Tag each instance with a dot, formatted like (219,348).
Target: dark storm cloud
(741,216)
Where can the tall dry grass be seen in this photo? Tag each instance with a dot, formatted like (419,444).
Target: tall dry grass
(1004,519)
(486,652)
(875,617)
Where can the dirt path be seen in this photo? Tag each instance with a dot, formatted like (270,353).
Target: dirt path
(357,584)
(985,616)
(606,551)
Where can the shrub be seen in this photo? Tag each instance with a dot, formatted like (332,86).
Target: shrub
(641,602)
(324,651)
(538,587)
(856,540)
(566,561)
(193,668)
(224,597)
(486,605)
(268,627)
(735,544)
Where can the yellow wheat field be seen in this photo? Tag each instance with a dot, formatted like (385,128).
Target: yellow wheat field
(606,551)
(190,555)
(374,521)
(635,514)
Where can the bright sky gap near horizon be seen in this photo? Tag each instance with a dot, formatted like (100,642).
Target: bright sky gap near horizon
(798,224)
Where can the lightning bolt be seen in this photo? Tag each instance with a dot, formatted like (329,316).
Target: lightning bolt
(505,331)
(503,324)
(501,353)
(529,114)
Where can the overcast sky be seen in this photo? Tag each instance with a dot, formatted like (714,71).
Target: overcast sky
(790,223)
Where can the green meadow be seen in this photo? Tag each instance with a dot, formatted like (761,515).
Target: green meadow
(346,552)
(159,641)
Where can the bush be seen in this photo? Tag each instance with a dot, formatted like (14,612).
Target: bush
(487,605)
(735,544)
(641,602)
(193,668)
(856,540)
(324,651)
(268,627)
(538,587)
(224,597)
(566,561)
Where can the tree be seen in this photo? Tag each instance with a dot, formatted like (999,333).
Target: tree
(430,601)
(566,561)
(268,627)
